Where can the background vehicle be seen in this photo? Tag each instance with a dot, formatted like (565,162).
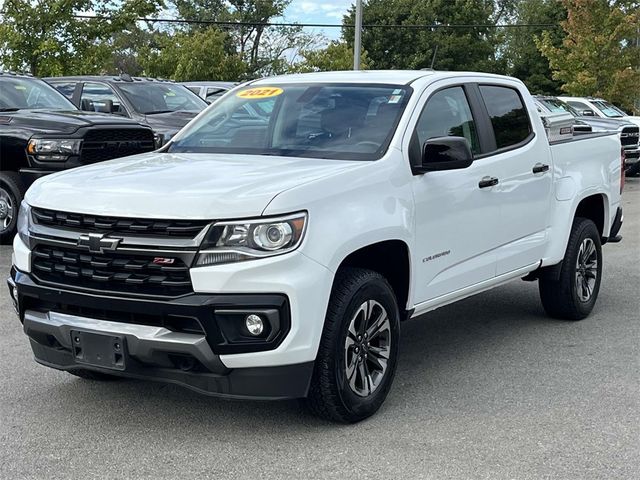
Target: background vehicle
(628,131)
(275,258)
(163,105)
(598,107)
(209,91)
(42,132)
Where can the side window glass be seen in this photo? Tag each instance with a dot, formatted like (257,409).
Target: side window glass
(581,107)
(98,97)
(66,88)
(508,115)
(213,93)
(447,113)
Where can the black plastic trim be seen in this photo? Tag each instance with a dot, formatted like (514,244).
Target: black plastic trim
(196,306)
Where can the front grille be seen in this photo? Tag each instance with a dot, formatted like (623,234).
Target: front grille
(112,272)
(105,144)
(124,226)
(630,136)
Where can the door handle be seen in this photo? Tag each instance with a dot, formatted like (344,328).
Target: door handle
(540,168)
(488,182)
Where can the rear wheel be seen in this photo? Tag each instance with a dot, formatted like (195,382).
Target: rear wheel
(574,293)
(11,193)
(358,352)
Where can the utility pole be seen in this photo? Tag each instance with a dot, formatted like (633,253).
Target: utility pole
(357,44)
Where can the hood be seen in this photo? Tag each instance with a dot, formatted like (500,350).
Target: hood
(169,122)
(65,122)
(599,123)
(633,119)
(179,186)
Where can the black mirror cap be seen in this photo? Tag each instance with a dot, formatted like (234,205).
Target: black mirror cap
(445,153)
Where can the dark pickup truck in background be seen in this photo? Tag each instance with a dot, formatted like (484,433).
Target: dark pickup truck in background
(163,105)
(41,132)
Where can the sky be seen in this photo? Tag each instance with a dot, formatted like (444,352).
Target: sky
(327,11)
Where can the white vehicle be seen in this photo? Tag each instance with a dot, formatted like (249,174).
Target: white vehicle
(598,107)
(276,256)
(209,91)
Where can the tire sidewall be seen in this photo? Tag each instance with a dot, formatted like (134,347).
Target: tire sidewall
(13,190)
(588,230)
(361,407)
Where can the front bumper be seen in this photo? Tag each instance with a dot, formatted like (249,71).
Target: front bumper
(153,351)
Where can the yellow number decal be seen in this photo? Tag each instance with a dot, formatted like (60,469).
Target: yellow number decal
(262,92)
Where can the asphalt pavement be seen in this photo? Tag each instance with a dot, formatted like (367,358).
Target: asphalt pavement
(488,388)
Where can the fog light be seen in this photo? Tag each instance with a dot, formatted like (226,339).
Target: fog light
(14,298)
(254,324)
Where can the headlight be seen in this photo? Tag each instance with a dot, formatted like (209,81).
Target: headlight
(24,220)
(236,241)
(53,149)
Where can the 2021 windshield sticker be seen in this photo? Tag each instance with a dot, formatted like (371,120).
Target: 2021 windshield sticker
(262,92)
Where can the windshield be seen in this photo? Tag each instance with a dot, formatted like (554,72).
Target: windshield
(608,109)
(151,98)
(556,105)
(23,93)
(341,121)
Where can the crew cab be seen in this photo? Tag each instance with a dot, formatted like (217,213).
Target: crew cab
(275,257)
(41,132)
(163,105)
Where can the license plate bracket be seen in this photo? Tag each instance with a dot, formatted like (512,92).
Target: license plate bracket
(98,349)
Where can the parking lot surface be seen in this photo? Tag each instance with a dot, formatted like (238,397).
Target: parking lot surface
(486,388)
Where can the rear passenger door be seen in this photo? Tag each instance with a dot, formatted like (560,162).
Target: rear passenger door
(524,176)
(100,97)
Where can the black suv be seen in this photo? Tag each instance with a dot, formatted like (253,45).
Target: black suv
(163,105)
(42,132)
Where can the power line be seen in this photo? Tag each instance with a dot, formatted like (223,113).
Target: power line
(323,25)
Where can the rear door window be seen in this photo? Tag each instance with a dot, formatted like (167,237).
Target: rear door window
(65,88)
(509,118)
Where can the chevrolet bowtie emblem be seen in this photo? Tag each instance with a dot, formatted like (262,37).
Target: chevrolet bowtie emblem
(98,242)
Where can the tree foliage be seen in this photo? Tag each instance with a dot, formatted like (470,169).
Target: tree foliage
(600,54)
(45,38)
(336,56)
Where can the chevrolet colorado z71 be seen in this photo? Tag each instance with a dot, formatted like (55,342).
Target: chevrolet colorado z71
(274,255)
(42,132)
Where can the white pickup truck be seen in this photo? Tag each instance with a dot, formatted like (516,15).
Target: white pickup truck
(273,248)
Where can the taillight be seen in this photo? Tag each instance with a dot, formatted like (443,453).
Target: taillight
(622,172)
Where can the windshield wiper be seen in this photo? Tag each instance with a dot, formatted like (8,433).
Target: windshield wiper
(157,111)
(9,109)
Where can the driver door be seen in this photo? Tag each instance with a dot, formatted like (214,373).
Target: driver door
(457,220)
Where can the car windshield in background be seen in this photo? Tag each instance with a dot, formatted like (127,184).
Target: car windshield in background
(151,98)
(608,109)
(342,121)
(20,93)
(558,106)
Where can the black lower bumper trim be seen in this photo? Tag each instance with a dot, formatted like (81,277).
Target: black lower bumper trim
(616,226)
(263,383)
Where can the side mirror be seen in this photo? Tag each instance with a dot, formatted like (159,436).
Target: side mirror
(445,153)
(104,106)
(588,113)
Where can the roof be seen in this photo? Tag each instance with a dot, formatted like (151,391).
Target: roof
(393,77)
(124,78)
(211,84)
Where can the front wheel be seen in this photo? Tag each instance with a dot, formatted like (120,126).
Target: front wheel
(10,198)
(358,351)
(574,293)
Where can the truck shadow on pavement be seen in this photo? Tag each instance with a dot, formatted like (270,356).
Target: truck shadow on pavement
(443,354)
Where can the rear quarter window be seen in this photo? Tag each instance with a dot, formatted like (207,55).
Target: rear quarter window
(509,118)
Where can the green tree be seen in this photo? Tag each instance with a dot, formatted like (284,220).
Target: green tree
(600,55)
(472,48)
(336,56)
(199,55)
(45,37)
(523,58)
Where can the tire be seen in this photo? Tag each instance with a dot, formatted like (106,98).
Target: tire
(91,375)
(11,193)
(574,293)
(351,378)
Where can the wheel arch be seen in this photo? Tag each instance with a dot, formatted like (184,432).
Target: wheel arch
(392,260)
